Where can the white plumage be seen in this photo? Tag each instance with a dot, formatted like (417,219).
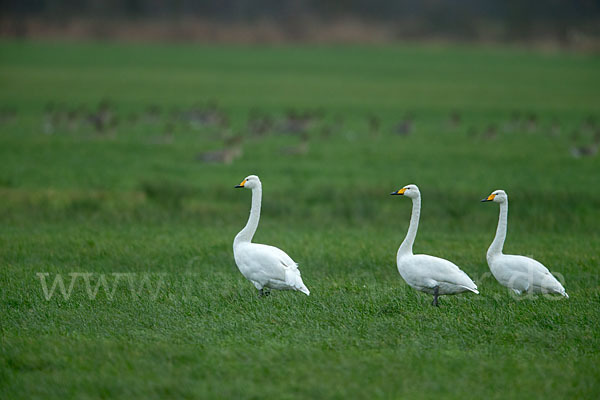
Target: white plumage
(519,273)
(265,266)
(426,273)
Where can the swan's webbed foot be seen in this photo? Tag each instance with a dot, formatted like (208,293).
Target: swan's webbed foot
(263,293)
(436,293)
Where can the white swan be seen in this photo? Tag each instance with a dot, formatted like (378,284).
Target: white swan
(521,274)
(428,274)
(264,266)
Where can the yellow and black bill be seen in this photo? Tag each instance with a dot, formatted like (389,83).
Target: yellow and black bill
(399,192)
(489,198)
(241,185)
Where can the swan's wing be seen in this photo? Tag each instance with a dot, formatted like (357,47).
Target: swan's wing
(523,273)
(270,264)
(523,264)
(293,277)
(259,263)
(517,272)
(276,255)
(436,271)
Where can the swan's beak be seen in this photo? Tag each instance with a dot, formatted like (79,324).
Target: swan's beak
(489,198)
(241,185)
(400,192)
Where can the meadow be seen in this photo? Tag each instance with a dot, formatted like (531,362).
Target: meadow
(118,163)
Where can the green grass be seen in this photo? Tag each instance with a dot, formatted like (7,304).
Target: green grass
(79,201)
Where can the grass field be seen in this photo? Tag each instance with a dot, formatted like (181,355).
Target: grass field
(132,196)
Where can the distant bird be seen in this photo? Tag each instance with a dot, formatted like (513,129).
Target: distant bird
(74,119)
(514,123)
(51,119)
(103,118)
(405,127)
(231,152)
(152,114)
(490,132)
(205,116)
(532,122)
(336,127)
(295,122)
(519,273)
(584,151)
(225,156)
(589,124)
(267,267)
(300,149)
(259,125)
(169,132)
(374,125)
(589,150)
(426,273)
(455,119)
(555,128)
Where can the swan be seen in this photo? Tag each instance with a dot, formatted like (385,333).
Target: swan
(426,273)
(264,266)
(519,273)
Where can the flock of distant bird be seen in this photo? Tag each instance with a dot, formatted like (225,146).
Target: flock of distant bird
(582,140)
(268,267)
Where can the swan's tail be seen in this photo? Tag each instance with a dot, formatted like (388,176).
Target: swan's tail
(469,284)
(472,289)
(560,291)
(293,278)
(305,290)
(559,288)
(466,282)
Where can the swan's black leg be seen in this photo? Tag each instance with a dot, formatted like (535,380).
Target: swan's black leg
(436,292)
(263,293)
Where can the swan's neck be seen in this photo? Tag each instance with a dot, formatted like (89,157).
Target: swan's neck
(407,245)
(498,243)
(249,230)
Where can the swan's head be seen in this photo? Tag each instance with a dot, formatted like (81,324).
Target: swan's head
(498,196)
(411,191)
(250,182)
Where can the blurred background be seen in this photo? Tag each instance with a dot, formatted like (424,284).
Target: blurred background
(565,23)
(177,92)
